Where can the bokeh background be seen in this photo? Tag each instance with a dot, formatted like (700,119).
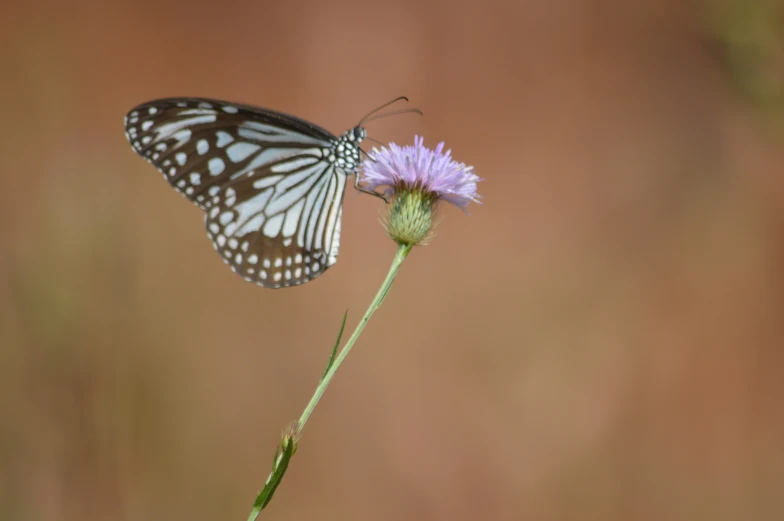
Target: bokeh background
(600,340)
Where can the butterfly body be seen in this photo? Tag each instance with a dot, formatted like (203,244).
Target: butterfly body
(271,185)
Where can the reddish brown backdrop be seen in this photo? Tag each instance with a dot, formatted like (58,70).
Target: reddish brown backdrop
(600,340)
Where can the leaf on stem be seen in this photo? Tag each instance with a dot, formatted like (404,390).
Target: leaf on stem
(335,349)
(280,463)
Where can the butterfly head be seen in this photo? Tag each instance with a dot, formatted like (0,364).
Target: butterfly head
(357,134)
(345,151)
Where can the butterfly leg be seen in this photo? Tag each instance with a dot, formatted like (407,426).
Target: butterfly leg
(366,191)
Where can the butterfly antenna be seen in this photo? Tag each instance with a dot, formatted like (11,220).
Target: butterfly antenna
(385,105)
(393,113)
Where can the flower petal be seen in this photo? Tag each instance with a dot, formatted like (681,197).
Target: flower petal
(433,171)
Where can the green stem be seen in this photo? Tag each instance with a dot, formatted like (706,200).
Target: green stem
(290,438)
(402,252)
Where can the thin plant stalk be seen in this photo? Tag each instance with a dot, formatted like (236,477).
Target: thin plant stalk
(402,252)
(291,436)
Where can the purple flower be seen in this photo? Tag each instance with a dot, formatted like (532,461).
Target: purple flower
(418,178)
(434,172)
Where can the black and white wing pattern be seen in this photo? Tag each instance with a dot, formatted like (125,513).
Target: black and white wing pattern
(271,185)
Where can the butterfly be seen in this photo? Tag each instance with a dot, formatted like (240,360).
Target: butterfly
(271,185)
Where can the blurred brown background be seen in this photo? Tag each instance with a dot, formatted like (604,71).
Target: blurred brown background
(600,340)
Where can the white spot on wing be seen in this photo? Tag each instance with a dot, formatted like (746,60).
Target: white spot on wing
(182,136)
(240,151)
(224,138)
(196,112)
(226,218)
(293,216)
(216,166)
(294,164)
(250,213)
(252,224)
(230,197)
(175,127)
(273,225)
(258,131)
(266,181)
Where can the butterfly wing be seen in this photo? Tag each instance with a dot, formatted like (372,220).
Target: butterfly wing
(271,185)
(280,226)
